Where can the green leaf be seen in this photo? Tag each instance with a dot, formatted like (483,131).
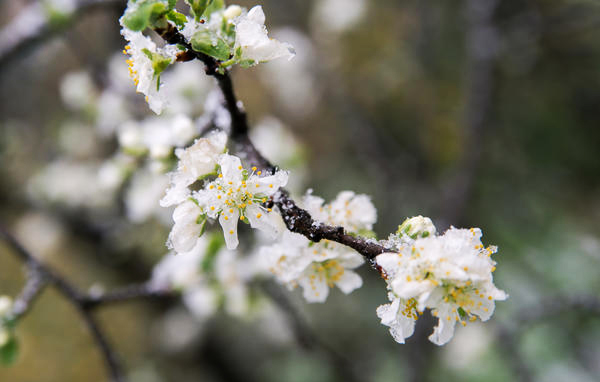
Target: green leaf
(144,15)
(217,241)
(214,6)
(9,352)
(198,7)
(178,18)
(159,62)
(208,43)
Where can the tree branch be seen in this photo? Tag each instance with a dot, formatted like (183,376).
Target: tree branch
(296,219)
(40,276)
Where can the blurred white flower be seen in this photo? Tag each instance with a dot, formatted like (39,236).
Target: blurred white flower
(295,86)
(77,90)
(337,16)
(143,195)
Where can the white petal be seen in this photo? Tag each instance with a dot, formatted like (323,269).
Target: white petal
(444,330)
(349,281)
(229,223)
(268,185)
(314,290)
(256,15)
(230,167)
(261,220)
(183,237)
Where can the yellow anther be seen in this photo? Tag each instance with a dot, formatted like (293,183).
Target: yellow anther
(258,215)
(212,208)
(269,209)
(231,232)
(225,217)
(253,168)
(259,172)
(240,167)
(242,217)
(270,186)
(211,187)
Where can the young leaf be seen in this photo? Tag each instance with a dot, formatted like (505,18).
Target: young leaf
(9,352)
(178,18)
(206,42)
(198,7)
(144,15)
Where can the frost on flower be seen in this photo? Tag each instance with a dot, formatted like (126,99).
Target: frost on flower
(317,267)
(234,195)
(252,43)
(145,65)
(196,161)
(450,274)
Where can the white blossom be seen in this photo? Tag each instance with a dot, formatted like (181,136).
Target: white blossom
(143,195)
(182,272)
(141,67)
(194,162)
(317,267)
(251,37)
(236,195)
(450,274)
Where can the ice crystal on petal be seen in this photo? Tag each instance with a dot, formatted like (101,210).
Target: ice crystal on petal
(251,37)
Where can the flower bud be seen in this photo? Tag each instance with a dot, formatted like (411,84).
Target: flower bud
(232,12)
(5,305)
(417,226)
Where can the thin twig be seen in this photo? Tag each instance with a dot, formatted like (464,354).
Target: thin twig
(40,276)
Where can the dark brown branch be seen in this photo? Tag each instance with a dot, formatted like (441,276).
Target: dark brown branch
(296,219)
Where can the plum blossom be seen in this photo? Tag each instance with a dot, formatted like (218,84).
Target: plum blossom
(142,66)
(317,267)
(450,274)
(236,195)
(252,40)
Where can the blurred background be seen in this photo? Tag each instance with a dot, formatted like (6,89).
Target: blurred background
(480,113)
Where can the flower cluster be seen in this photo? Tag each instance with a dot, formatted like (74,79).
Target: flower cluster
(316,267)
(230,35)
(450,274)
(235,194)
